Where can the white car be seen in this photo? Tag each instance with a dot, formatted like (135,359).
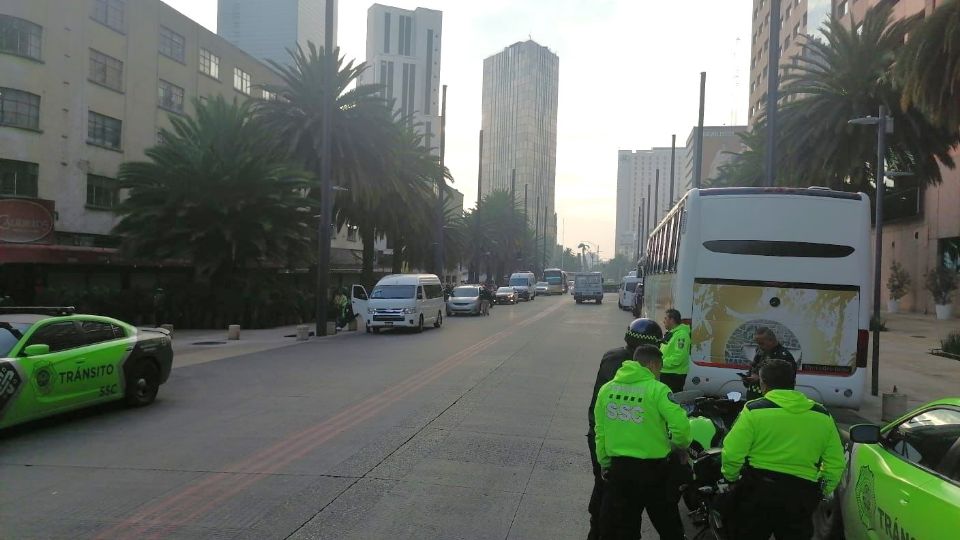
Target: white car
(542,287)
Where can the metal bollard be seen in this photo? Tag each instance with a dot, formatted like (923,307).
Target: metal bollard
(303,332)
(233,332)
(893,405)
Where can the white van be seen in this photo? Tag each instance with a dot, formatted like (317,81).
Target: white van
(400,300)
(525,283)
(628,286)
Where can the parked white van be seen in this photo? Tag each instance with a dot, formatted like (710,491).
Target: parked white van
(400,300)
(628,285)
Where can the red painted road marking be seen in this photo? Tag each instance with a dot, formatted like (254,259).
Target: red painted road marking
(214,488)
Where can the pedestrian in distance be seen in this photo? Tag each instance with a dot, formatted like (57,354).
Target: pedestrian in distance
(785,454)
(639,332)
(637,428)
(768,348)
(676,351)
(345,312)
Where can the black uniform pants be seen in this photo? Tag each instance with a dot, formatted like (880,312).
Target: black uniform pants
(596,496)
(674,380)
(632,486)
(774,503)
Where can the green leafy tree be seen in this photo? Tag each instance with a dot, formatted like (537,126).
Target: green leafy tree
(849,75)
(216,194)
(928,67)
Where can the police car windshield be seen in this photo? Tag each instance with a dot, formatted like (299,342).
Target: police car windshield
(10,334)
(466,292)
(387,292)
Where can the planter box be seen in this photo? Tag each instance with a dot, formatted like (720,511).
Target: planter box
(893,306)
(944,311)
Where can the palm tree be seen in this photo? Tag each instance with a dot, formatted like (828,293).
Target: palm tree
(583,256)
(216,194)
(498,239)
(928,67)
(846,76)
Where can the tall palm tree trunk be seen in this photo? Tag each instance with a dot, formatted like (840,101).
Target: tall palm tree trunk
(368,236)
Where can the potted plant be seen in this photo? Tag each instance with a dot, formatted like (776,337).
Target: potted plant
(897,284)
(941,282)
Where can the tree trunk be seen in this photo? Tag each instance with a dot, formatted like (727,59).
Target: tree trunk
(397,255)
(368,236)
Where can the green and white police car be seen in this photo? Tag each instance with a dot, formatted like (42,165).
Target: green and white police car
(53,360)
(902,480)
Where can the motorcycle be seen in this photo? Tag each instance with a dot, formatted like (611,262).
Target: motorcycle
(706,492)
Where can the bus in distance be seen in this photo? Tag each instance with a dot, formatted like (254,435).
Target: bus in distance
(556,281)
(794,260)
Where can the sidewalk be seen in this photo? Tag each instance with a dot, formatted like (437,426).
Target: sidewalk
(192,347)
(906,362)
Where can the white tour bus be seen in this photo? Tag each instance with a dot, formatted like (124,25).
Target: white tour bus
(797,261)
(400,300)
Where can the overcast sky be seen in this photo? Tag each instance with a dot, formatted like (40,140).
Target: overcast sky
(629,78)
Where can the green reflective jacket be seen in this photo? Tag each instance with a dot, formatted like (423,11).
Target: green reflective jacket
(676,351)
(635,417)
(785,432)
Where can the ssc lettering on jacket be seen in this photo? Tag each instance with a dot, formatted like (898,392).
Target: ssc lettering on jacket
(81,374)
(629,413)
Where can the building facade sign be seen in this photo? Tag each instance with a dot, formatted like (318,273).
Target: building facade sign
(24,221)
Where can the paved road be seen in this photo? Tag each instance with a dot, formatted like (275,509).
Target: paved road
(475,430)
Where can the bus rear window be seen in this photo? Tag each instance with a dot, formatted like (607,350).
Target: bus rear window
(777,248)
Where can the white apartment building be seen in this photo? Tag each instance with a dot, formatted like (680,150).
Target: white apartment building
(265,29)
(519,122)
(403,55)
(643,180)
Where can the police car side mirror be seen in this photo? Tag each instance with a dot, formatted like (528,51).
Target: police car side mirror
(865,434)
(36,350)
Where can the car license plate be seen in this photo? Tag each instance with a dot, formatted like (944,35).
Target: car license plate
(389,323)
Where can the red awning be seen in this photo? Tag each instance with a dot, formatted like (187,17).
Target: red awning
(56,254)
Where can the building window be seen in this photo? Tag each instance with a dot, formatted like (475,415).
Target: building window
(102,192)
(170,96)
(20,37)
(267,95)
(386,33)
(209,64)
(406,35)
(407,89)
(19,108)
(109,13)
(103,130)
(18,178)
(106,70)
(161,138)
(241,81)
(386,79)
(172,44)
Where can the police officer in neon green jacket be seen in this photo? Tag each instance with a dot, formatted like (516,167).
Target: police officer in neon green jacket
(785,450)
(637,426)
(676,351)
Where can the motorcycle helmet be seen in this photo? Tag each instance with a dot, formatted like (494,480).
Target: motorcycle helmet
(702,432)
(643,332)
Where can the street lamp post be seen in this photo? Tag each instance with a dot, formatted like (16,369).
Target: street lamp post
(326,175)
(880,177)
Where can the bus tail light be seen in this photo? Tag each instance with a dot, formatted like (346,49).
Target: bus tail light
(863,338)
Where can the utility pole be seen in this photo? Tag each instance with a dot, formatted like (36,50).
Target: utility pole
(646,215)
(543,260)
(536,232)
(480,171)
(441,187)
(639,227)
(698,157)
(326,175)
(773,92)
(878,250)
(525,216)
(673,160)
(656,199)
(511,249)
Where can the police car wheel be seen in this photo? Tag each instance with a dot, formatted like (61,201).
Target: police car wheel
(827,520)
(143,382)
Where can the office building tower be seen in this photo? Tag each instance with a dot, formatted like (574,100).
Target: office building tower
(638,186)
(267,28)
